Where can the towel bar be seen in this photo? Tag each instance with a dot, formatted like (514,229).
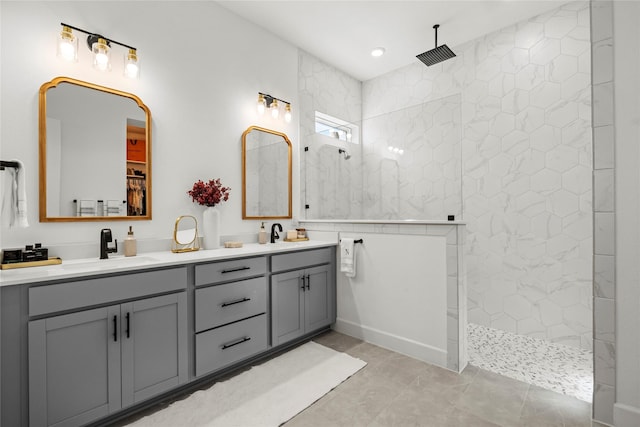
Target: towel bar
(357,241)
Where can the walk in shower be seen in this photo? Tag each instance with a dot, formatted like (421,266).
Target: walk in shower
(499,137)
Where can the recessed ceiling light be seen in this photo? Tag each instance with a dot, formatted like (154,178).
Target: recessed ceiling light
(378,51)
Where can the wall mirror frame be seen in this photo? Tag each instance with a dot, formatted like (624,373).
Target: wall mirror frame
(263,165)
(133,176)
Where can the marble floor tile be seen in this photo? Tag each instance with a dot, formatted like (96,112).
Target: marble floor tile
(556,367)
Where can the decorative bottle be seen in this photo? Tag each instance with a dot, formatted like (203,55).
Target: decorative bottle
(262,235)
(130,245)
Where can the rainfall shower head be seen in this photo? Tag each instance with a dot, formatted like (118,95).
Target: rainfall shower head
(437,54)
(346,155)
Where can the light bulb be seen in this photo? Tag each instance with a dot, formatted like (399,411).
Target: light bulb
(260,106)
(275,112)
(131,68)
(100,51)
(287,113)
(67,45)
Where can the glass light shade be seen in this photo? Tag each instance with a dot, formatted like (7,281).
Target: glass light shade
(261,105)
(131,66)
(101,55)
(287,113)
(275,112)
(67,45)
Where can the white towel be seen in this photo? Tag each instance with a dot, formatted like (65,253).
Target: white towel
(347,257)
(14,196)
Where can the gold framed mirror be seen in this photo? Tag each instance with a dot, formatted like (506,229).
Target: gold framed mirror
(185,235)
(94,153)
(266,174)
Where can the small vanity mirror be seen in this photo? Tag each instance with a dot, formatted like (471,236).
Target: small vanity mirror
(185,235)
(266,174)
(95,153)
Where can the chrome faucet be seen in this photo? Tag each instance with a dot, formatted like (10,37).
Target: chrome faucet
(105,238)
(274,234)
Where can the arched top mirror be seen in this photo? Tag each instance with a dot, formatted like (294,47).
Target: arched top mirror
(266,174)
(95,153)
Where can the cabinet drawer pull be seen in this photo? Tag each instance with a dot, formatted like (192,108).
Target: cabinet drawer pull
(233,270)
(115,328)
(231,344)
(308,282)
(227,304)
(128,324)
(303,283)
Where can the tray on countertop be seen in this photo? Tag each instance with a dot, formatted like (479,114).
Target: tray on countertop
(50,261)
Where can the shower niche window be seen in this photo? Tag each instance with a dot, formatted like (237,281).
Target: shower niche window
(335,128)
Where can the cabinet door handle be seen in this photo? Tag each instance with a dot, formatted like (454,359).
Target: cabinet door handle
(308,282)
(232,343)
(233,270)
(227,304)
(303,283)
(128,324)
(115,328)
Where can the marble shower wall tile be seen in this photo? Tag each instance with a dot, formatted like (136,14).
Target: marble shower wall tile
(331,186)
(499,135)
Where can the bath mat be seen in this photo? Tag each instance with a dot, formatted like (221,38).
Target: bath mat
(266,395)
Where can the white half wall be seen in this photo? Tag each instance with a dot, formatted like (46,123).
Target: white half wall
(398,298)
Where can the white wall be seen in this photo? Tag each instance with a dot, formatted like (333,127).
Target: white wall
(397,302)
(201,70)
(626,67)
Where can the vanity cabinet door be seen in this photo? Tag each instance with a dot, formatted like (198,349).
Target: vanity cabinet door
(301,301)
(154,346)
(287,307)
(318,297)
(74,367)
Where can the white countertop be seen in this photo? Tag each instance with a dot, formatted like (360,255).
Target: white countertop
(383,221)
(117,263)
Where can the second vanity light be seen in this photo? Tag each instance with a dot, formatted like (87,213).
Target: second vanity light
(266,101)
(100,47)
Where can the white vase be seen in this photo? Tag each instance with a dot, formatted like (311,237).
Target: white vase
(211,227)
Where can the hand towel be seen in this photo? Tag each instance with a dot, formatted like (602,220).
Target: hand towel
(347,257)
(14,196)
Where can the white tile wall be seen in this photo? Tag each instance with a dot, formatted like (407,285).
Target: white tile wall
(526,161)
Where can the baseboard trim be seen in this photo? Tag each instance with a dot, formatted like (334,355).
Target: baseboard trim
(625,415)
(415,349)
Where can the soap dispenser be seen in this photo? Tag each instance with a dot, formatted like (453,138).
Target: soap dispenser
(130,246)
(262,235)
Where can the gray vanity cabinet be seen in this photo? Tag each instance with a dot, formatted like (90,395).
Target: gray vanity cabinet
(302,300)
(90,363)
(74,368)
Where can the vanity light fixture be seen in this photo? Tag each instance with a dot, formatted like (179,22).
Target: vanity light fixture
(67,45)
(100,46)
(271,102)
(275,112)
(287,113)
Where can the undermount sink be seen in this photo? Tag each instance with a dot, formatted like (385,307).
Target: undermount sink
(112,262)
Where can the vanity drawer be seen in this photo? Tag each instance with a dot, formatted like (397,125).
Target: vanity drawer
(84,293)
(222,304)
(229,344)
(230,270)
(302,259)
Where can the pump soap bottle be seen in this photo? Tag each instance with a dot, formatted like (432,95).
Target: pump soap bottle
(262,235)
(130,246)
